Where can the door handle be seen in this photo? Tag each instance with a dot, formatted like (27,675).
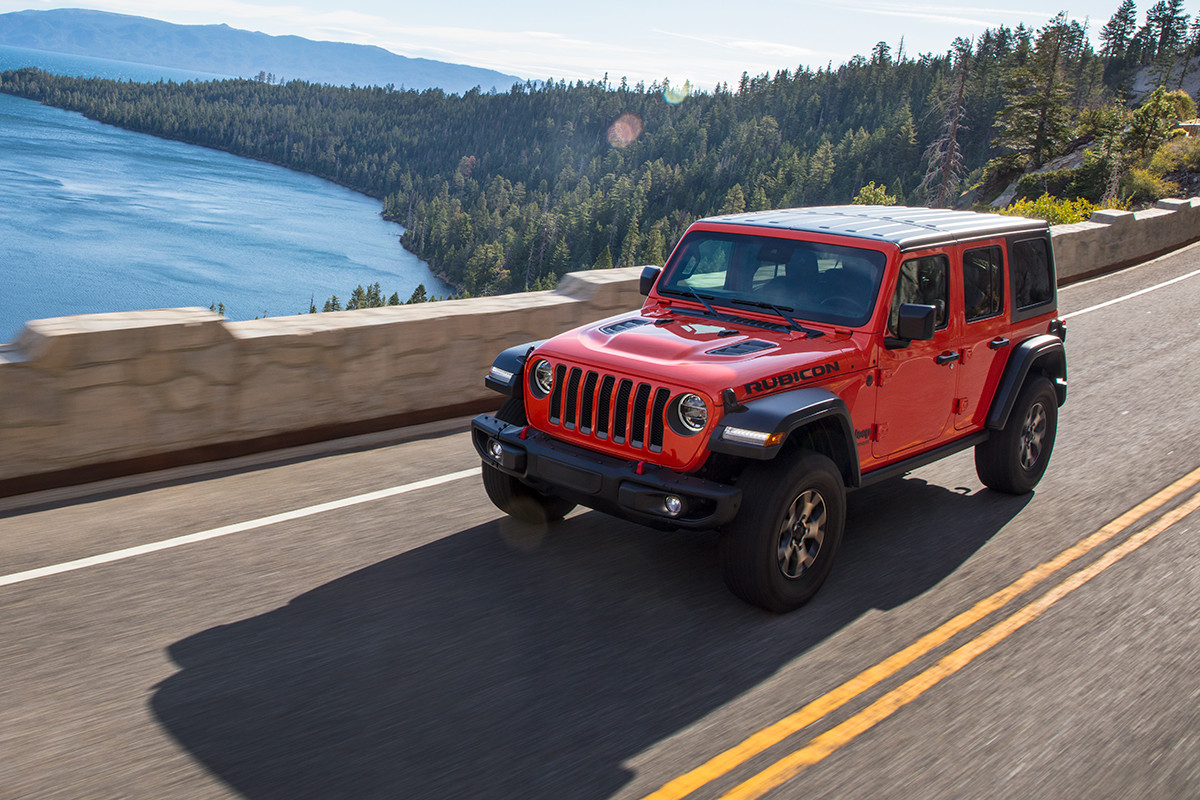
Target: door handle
(998,342)
(947,358)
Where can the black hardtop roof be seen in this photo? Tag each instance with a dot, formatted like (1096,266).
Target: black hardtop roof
(905,227)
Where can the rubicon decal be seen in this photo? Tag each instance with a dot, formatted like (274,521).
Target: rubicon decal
(788,378)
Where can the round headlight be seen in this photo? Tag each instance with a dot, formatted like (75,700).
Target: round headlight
(693,412)
(543,376)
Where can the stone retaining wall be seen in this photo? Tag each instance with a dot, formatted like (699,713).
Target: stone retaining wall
(148,388)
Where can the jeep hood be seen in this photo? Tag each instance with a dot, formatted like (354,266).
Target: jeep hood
(691,351)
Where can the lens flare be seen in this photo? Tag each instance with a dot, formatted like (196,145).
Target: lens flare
(622,132)
(677,94)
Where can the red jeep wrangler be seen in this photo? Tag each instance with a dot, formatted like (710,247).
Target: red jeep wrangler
(780,359)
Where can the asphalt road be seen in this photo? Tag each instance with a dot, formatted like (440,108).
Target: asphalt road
(412,644)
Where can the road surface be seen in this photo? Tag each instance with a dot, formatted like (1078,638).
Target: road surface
(356,621)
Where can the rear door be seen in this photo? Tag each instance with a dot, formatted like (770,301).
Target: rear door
(985,347)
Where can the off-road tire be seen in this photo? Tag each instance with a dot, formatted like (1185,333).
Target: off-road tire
(514,498)
(1014,458)
(780,548)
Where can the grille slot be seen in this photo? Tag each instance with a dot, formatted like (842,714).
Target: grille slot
(658,419)
(589,401)
(606,407)
(560,375)
(572,399)
(604,412)
(621,412)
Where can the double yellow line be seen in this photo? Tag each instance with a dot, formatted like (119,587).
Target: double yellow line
(821,746)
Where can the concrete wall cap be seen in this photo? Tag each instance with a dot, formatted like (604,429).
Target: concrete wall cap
(1111,216)
(1152,213)
(585,285)
(1075,227)
(123,320)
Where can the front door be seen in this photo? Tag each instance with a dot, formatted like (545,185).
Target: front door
(917,383)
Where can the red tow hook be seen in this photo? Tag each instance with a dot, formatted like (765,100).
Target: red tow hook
(640,468)
(525,432)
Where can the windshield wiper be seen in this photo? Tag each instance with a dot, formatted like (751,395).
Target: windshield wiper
(783,312)
(693,294)
(723,317)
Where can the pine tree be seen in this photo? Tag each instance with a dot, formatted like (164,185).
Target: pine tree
(604,260)
(944,156)
(735,201)
(1169,26)
(820,171)
(1118,31)
(1036,123)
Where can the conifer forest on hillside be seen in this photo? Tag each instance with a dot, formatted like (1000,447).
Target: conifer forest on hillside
(504,192)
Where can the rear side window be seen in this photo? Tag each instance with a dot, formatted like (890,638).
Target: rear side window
(1032,277)
(924,281)
(983,282)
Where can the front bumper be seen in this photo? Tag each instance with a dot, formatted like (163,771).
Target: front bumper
(633,490)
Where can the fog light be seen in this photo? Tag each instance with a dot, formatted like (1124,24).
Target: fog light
(495,450)
(673,505)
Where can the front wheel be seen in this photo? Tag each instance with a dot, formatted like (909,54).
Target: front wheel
(780,548)
(1014,458)
(514,498)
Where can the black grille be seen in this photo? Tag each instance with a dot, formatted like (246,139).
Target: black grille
(607,407)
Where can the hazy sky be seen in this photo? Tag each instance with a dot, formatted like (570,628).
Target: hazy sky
(704,41)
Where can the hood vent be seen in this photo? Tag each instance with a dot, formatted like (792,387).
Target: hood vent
(624,325)
(742,348)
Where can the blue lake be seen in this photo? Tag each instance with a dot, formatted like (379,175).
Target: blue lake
(94,218)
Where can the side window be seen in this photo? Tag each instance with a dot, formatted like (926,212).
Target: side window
(924,281)
(983,282)
(1033,283)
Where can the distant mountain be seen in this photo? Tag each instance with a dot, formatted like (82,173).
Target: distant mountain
(228,51)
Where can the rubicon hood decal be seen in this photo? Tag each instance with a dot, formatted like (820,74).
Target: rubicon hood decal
(789,378)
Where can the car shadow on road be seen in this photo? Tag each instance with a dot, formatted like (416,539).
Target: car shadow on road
(499,663)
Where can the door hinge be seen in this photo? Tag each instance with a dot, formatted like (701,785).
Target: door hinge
(962,405)
(878,431)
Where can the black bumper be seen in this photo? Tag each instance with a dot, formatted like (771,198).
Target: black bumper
(598,481)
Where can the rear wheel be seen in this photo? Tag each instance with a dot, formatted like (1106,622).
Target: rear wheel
(514,498)
(1014,458)
(780,548)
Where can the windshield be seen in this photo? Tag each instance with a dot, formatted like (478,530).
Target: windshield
(816,282)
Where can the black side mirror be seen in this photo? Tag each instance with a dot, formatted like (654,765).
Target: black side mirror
(646,281)
(916,322)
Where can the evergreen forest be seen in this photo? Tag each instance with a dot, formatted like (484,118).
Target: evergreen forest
(504,192)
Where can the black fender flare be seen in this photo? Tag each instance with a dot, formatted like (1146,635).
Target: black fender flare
(786,413)
(511,363)
(1044,354)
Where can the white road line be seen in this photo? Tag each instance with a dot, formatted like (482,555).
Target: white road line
(239,527)
(1138,293)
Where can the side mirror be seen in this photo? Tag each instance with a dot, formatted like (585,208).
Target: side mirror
(916,322)
(647,279)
